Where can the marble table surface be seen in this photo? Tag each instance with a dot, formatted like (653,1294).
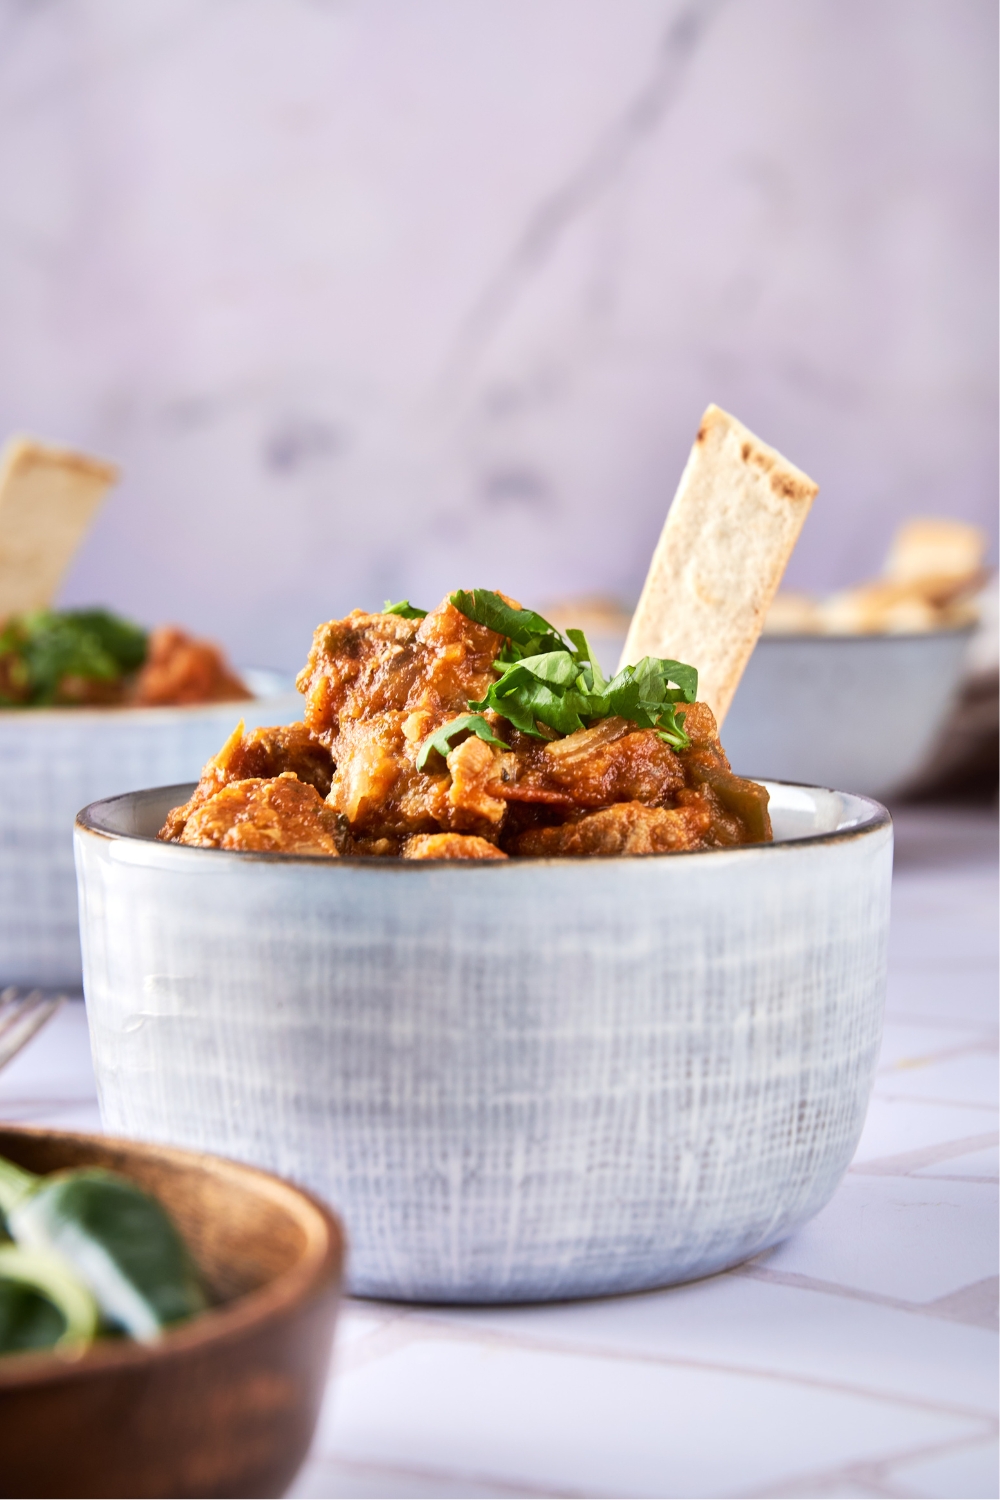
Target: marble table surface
(857,1358)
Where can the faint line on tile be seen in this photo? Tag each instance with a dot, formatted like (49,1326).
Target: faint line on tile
(976,1304)
(385,1339)
(951,1177)
(443,1477)
(869,1475)
(908,1162)
(878,1093)
(435,1324)
(948,1054)
(941,1308)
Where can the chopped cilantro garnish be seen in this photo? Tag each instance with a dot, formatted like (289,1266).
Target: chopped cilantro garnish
(43,647)
(440,742)
(124,642)
(554,681)
(405,608)
(546,679)
(527,633)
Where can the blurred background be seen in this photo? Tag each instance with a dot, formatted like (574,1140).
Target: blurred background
(373,298)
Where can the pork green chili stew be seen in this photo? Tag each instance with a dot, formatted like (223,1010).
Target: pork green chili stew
(90,658)
(475,731)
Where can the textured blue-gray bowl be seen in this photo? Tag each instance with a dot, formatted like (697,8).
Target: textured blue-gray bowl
(52,761)
(516,1080)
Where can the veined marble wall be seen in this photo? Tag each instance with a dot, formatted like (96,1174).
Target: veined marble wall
(382,297)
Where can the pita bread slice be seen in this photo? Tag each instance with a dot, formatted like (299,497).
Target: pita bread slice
(48,497)
(728,536)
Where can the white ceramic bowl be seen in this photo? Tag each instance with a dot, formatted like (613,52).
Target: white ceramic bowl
(857,711)
(52,761)
(534,1079)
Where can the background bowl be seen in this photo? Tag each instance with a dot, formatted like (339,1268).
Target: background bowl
(523,1079)
(52,762)
(858,711)
(225,1405)
(864,712)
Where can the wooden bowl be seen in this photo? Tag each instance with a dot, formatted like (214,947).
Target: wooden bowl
(225,1405)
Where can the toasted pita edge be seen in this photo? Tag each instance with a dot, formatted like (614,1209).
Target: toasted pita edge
(784,478)
(48,497)
(707,592)
(21,454)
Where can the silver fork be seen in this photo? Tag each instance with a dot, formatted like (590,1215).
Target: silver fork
(22,1013)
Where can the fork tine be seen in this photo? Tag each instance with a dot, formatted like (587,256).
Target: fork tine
(11,1000)
(21,1015)
(15,1003)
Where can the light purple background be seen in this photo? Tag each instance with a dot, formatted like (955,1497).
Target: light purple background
(379,297)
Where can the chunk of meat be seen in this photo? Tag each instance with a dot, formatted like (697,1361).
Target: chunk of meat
(625,828)
(739,815)
(367,665)
(382,794)
(611,762)
(257,753)
(359,666)
(268,751)
(705,753)
(473,796)
(450,846)
(376,784)
(282,815)
(179,669)
(459,656)
(384,848)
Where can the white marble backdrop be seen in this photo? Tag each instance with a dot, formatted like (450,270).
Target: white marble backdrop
(381,297)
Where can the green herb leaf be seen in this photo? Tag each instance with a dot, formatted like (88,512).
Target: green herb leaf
(42,647)
(643,694)
(554,689)
(124,642)
(116,1238)
(585,655)
(55,648)
(29,1319)
(654,676)
(405,608)
(559,668)
(43,1304)
(556,682)
(442,740)
(550,688)
(527,632)
(670,729)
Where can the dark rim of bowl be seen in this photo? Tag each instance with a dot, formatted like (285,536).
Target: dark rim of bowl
(88,821)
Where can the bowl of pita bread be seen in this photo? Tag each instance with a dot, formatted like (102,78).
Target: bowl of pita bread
(861,689)
(90,704)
